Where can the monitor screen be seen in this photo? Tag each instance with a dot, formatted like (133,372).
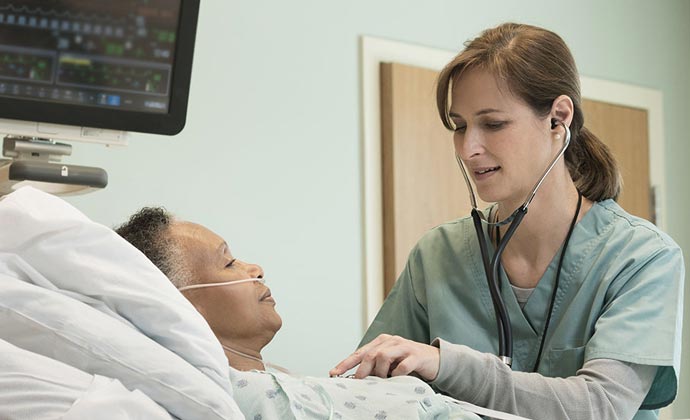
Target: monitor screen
(121,65)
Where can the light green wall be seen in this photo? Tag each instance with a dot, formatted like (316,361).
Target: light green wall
(271,157)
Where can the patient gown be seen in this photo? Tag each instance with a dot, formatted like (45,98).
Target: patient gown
(275,395)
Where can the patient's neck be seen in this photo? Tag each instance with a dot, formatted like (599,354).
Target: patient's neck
(242,358)
(244,352)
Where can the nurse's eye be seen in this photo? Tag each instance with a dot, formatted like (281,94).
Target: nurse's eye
(460,128)
(494,125)
(230,264)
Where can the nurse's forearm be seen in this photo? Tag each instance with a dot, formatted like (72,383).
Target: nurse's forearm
(603,389)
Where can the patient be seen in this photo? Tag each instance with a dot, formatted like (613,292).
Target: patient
(239,308)
(241,315)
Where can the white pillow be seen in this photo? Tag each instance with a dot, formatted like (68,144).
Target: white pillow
(51,324)
(91,262)
(47,242)
(36,387)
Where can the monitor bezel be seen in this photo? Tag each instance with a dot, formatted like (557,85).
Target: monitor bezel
(169,123)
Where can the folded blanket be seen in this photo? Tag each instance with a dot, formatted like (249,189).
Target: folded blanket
(36,387)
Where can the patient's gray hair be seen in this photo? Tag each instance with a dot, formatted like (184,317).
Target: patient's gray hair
(148,231)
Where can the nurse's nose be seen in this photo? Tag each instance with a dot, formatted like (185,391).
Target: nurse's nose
(468,144)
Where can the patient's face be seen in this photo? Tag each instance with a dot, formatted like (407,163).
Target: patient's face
(236,313)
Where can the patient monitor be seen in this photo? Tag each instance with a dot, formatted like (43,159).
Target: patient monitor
(88,71)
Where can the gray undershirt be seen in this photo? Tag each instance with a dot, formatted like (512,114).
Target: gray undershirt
(522,295)
(603,389)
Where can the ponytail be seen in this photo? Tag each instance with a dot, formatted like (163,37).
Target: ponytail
(593,167)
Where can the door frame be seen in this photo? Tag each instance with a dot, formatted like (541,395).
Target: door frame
(374,51)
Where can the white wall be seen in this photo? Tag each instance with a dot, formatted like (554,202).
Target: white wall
(271,154)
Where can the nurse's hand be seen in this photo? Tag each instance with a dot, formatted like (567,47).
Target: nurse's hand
(388,355)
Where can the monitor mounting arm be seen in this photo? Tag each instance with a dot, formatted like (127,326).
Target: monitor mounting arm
(35,161)
(24,148)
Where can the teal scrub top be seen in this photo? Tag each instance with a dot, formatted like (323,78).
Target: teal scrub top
(620,297)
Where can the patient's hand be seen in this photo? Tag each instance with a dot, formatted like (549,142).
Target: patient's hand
(389,355)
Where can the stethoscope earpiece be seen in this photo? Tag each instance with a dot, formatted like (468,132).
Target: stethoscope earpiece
(554,123)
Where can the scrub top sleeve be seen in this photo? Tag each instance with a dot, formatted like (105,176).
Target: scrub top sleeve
(641,321)
(404,311)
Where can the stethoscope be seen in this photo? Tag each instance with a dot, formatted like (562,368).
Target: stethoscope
(492,267)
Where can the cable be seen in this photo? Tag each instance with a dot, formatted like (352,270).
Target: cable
(558,277)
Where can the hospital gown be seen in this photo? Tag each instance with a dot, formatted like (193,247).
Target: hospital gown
(276,395)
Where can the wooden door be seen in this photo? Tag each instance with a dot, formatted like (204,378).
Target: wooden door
(422,184)
(625,130)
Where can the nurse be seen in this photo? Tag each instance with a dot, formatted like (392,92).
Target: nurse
(594,294)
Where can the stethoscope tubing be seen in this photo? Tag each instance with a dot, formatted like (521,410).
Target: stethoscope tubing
(505,336)
(492,271)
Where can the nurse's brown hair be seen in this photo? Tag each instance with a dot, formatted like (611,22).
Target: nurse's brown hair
(537,66)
